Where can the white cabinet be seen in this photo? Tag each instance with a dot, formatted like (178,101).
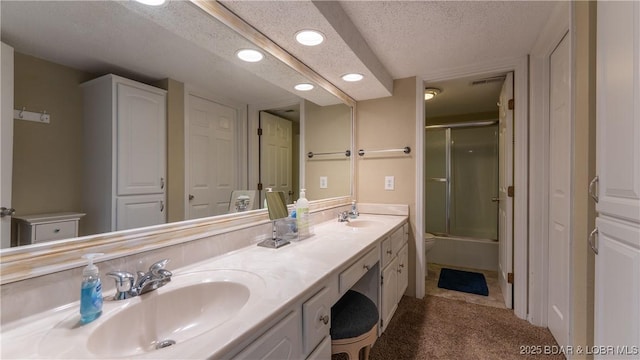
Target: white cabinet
(141,159)
(124,154)
(395,275)
(617,240)
(37,228)
(281,342)
(316,320)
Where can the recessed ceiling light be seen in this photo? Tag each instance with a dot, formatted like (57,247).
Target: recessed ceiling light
(309,37)
(249,55)
(152,2)
(352,77)
(303,87)
(430,93)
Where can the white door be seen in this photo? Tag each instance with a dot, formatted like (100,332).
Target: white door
(560,146)
(6,142)
(141,141)
(134,211)
(617,241)
(276,154)
(505,180)
(212,157)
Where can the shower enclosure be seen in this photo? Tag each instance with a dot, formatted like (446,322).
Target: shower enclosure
(462,180)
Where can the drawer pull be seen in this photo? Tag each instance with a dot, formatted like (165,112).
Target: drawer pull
(389,252)
(324,319)
(401,265)
(56,231)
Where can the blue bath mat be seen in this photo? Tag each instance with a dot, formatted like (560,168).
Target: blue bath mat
(465,281)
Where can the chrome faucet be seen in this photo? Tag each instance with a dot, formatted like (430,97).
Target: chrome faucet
(343,216)
(126,287)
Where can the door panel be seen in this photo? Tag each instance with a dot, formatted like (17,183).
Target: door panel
(134,211)
(276,154)
(141,141)
(617,244)
(505,179)
(212,157)
(6,141)
(618,132)
(560,147)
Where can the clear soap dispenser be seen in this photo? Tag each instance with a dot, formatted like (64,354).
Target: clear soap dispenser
(90,291)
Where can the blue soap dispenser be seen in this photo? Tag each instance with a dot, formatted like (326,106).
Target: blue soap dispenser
(91,291)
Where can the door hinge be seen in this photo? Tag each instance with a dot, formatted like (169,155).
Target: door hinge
(259,131)
(510,278)
(510,104)
(510,191)
(381,323)
(259,186)
(381,280)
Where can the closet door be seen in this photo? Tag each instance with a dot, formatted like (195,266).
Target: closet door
(616,240)
(139,211)
(141,140)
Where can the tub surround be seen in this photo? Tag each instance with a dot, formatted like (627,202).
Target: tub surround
(289,274)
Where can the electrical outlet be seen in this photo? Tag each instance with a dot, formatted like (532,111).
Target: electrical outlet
(323,182)
(389,182)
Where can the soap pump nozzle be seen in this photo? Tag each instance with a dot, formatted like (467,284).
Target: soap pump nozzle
(90,269)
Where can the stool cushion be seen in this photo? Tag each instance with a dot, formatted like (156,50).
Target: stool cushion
(353,315)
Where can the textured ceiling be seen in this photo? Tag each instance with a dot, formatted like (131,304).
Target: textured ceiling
(407,38)
(147,44)
(383,40)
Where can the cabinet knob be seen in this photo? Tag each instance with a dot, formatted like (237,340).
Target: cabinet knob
(7,211)
(401,265)
(161,206)
(56,231)
(161,183)
(191,197)
(324,319)
(389,252)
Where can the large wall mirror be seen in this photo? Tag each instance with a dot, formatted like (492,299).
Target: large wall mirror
(211,165)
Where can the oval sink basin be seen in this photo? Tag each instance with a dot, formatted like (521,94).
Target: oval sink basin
(360,223)
(188,306)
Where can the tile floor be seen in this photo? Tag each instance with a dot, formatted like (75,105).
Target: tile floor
(494,299)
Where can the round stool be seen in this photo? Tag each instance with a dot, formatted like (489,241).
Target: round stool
(354,325)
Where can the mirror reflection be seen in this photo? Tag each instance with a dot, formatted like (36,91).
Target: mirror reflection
(195,153)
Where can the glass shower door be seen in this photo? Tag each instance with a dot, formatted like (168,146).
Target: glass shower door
(474,182)
(436,171)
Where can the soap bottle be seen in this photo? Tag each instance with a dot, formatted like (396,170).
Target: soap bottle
(302,215)
(353,214)
(91,291)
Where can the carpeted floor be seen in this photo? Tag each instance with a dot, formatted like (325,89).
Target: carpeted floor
(437,328)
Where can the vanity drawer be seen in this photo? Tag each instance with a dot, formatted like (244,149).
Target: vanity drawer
(397,239)
(386,251)
(316,320)
(55,231)
(354,272)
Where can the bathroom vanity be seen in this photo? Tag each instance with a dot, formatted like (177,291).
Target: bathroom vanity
(253,302)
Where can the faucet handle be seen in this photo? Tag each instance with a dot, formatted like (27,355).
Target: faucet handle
(153,269)
(124,283)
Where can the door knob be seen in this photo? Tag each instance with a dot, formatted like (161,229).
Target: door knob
(191,197)
(7,211)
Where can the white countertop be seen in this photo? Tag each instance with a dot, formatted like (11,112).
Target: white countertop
(287,273)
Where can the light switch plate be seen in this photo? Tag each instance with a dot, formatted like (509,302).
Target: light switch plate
(389,182)
(323,182)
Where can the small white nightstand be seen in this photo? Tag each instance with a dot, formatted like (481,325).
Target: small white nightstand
(37,228)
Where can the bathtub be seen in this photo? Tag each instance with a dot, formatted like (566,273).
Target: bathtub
(465,252)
